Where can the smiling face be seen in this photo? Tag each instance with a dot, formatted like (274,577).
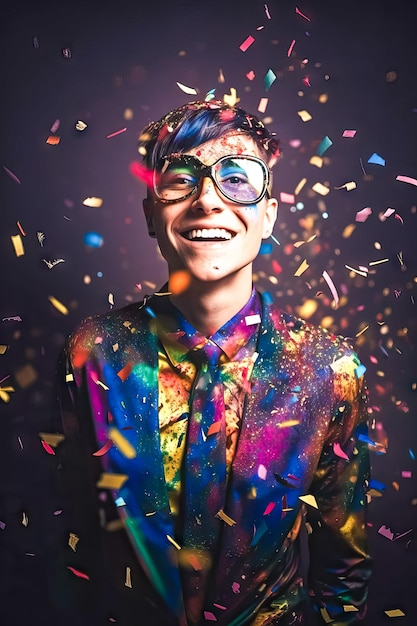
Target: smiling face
(209,236)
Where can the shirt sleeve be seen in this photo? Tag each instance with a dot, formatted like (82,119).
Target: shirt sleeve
(340,565)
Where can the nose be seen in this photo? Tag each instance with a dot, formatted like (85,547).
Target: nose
(207,198)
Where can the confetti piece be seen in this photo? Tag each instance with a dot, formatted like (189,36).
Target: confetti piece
(80,125)
(225,518)
(247,43)
(349,608)
(407,179)
(363,214)
(104,449)
(93,240)
(118,132)
(290,49)
(297,10)
(267,11)
(270,507)
(93,202)
(3,349)
(406,474)
(111,481)
(124,373)
(304,115)
(174,543)
(21,228)
(269,79)
(316,160)
(288,423)
(339,452)
(25,520)
(386,532)
(47,448)
(266,248)
(324,145)
(179,282)
(331,287)
(18,245)
(73,539)
(122,443)
(12,175)
(58,305)
(302,268)
(77,573)
(287,198)
(250,75)
(309,499)
(394,613)
(128,578)
(188,90)
(376,159)
(231,99)
(326,617)
(250,320)
(321,189)
(352,269)
(209,616)
(378,262)
(263,103)
(349,133)
(262,472)
(348,186)
(360,370)
(300,186)
(53,140)
(52,439)
(26,376)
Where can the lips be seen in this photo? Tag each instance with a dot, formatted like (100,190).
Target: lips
(208,234)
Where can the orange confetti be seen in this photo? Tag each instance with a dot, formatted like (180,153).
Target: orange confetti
(53,140)
(179,282)
(214,428)
(125,371)
(21,229)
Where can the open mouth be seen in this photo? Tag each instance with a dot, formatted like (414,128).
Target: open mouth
(208,234)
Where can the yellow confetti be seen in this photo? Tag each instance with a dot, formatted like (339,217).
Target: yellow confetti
(111,481)
(3,348)
(326,617)
(128,578)
(93,202)
(174,543)
(307,309)
(298,244)
(18,245)
(225,518)
(4,393)
(349,608)
(394,613)
(231,99)
(309,499)
(288,423)
(316,160)
(321,189)
(73,539)
(302,268)
(69,378)
(300,186)
(305,115)
(348,186)
(53,439)
(348,230)
(58,305)
(122,443)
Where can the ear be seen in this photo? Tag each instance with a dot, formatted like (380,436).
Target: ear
(269,217)
(148,205)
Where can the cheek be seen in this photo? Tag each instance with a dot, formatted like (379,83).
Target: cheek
(250,212)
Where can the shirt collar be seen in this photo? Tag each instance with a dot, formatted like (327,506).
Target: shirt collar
(237,337)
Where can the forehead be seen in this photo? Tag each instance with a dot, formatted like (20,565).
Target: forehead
(229,143)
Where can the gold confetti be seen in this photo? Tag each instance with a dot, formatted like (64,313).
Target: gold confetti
(53,439)
(305,115)
(3,348)
(231,99)
(18,245)
(174,543)
(73,539)
(4,393)
(321,189)
(349,608)
(300,186)
(395,613)
(111,481)
(225,518)
(326,617)
(26,375)
(58,305)
(302,268)
(288,423)
(122,443)
(128,578)
(93,202)
(25,520)
(348,230)
(316,160)
(309,499)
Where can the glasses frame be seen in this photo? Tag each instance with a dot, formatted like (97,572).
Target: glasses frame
(208,171)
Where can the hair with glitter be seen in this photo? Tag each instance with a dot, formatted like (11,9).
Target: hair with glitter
(194,123)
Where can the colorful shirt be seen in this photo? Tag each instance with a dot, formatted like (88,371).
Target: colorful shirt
(301,453)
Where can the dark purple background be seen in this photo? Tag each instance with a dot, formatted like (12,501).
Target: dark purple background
(127,55)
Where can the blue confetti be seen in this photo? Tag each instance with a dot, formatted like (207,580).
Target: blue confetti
(270,77)
(267,297)
(94,240)
(366,439)
(375,158)
(266,248)
(323,145)
(411,453)
(376,484)
(360,370)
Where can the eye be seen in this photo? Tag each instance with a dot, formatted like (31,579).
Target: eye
(175,179)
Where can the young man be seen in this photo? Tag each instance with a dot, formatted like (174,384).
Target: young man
(218,426)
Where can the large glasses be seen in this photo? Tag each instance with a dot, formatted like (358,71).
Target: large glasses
(242,179)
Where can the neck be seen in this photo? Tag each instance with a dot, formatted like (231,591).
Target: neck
(209,305)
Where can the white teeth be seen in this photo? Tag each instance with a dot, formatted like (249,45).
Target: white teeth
(209,233)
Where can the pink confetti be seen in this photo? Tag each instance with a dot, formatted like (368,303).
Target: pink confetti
(349,133)
(290,49)
(220,606)
(77,573)
(388,212)
(250,75)
(386,532)
(262,472)
(297,10)
(363,214)
(270,507)
(267,11)
(407,179)
(287,198)
(398,217)
(247,43)
(306,81)
(55,126)
(118,132)
(47,447)
(140,171)
(209,616)
(263,103)
(405,474)
(331,287)
(104,449)
(12,176)
(339,452)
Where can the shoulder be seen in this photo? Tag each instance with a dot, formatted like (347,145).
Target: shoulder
(107,329)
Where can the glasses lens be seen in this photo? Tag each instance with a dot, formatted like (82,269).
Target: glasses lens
(241,179)
(175,179)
